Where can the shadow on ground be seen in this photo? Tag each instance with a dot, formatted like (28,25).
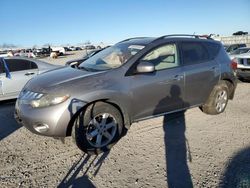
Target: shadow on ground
(177,150)
(7,122)
(237,172)
(78,175)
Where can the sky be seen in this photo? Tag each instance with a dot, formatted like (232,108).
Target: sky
(38,22)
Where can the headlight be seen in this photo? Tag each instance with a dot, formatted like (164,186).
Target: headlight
(48,100)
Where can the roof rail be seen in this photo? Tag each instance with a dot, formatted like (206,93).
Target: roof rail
(132,39)
(184,35)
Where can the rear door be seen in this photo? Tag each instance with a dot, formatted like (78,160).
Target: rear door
(21,71)
(201,69)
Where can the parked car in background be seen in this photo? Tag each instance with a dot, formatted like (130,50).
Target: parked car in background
(25,53)
(240,33)
(20,70)
(59,50)
(78,48)
(238,51)
(3,54)
(75,48)
(67,49)
(232,47)
(243,66)
(77,62)
(89,47)
(42,52)
(135,79)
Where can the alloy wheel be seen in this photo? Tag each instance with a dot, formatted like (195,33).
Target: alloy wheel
(101,130)
(221,101)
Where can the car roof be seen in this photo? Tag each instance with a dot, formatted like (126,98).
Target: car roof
(147,40)
(139,40)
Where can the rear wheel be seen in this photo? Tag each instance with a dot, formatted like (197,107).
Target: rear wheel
(97,128)
(217,100)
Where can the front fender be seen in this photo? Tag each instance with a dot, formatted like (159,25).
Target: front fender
(121,100)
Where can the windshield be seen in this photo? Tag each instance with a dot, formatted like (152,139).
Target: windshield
(240,51)
(111,57)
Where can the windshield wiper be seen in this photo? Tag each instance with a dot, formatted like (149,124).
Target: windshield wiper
(87,69)
(83,68)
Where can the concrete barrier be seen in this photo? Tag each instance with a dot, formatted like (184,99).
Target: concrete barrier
(234,39)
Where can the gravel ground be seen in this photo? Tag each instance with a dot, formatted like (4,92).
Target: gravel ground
(188,149)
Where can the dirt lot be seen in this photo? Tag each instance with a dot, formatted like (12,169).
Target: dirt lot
(180,150)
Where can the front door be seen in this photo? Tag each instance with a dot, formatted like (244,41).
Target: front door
(161,91)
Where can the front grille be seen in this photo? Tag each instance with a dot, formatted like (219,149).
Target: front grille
(241,61)
(29,95)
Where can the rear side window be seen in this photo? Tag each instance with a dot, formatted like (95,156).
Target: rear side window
(20,65)
(194,53)
(212,48)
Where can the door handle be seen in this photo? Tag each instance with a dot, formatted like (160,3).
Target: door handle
(178,77)
(29,73)
(169,81)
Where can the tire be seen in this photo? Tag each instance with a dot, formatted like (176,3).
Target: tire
(97,128)
(218,99)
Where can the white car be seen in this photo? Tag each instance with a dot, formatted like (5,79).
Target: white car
(72,48)
(239,51)
(25,53)
(4,54)
(15,72)
(60,50)
(243,66)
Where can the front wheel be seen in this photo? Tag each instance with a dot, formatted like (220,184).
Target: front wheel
(217,100)
(97,128)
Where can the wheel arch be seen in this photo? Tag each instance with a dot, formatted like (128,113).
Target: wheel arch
(231,81)
(123,111)
(231,86)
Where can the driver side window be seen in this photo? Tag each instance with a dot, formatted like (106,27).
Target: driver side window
(163,57)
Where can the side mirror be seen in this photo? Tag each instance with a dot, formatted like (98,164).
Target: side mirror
(71,63)
(145,67)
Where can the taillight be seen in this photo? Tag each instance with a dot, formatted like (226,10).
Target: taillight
(234,64)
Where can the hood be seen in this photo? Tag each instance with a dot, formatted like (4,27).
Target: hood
(58,79)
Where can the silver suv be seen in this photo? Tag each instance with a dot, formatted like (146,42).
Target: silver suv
(135,79)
